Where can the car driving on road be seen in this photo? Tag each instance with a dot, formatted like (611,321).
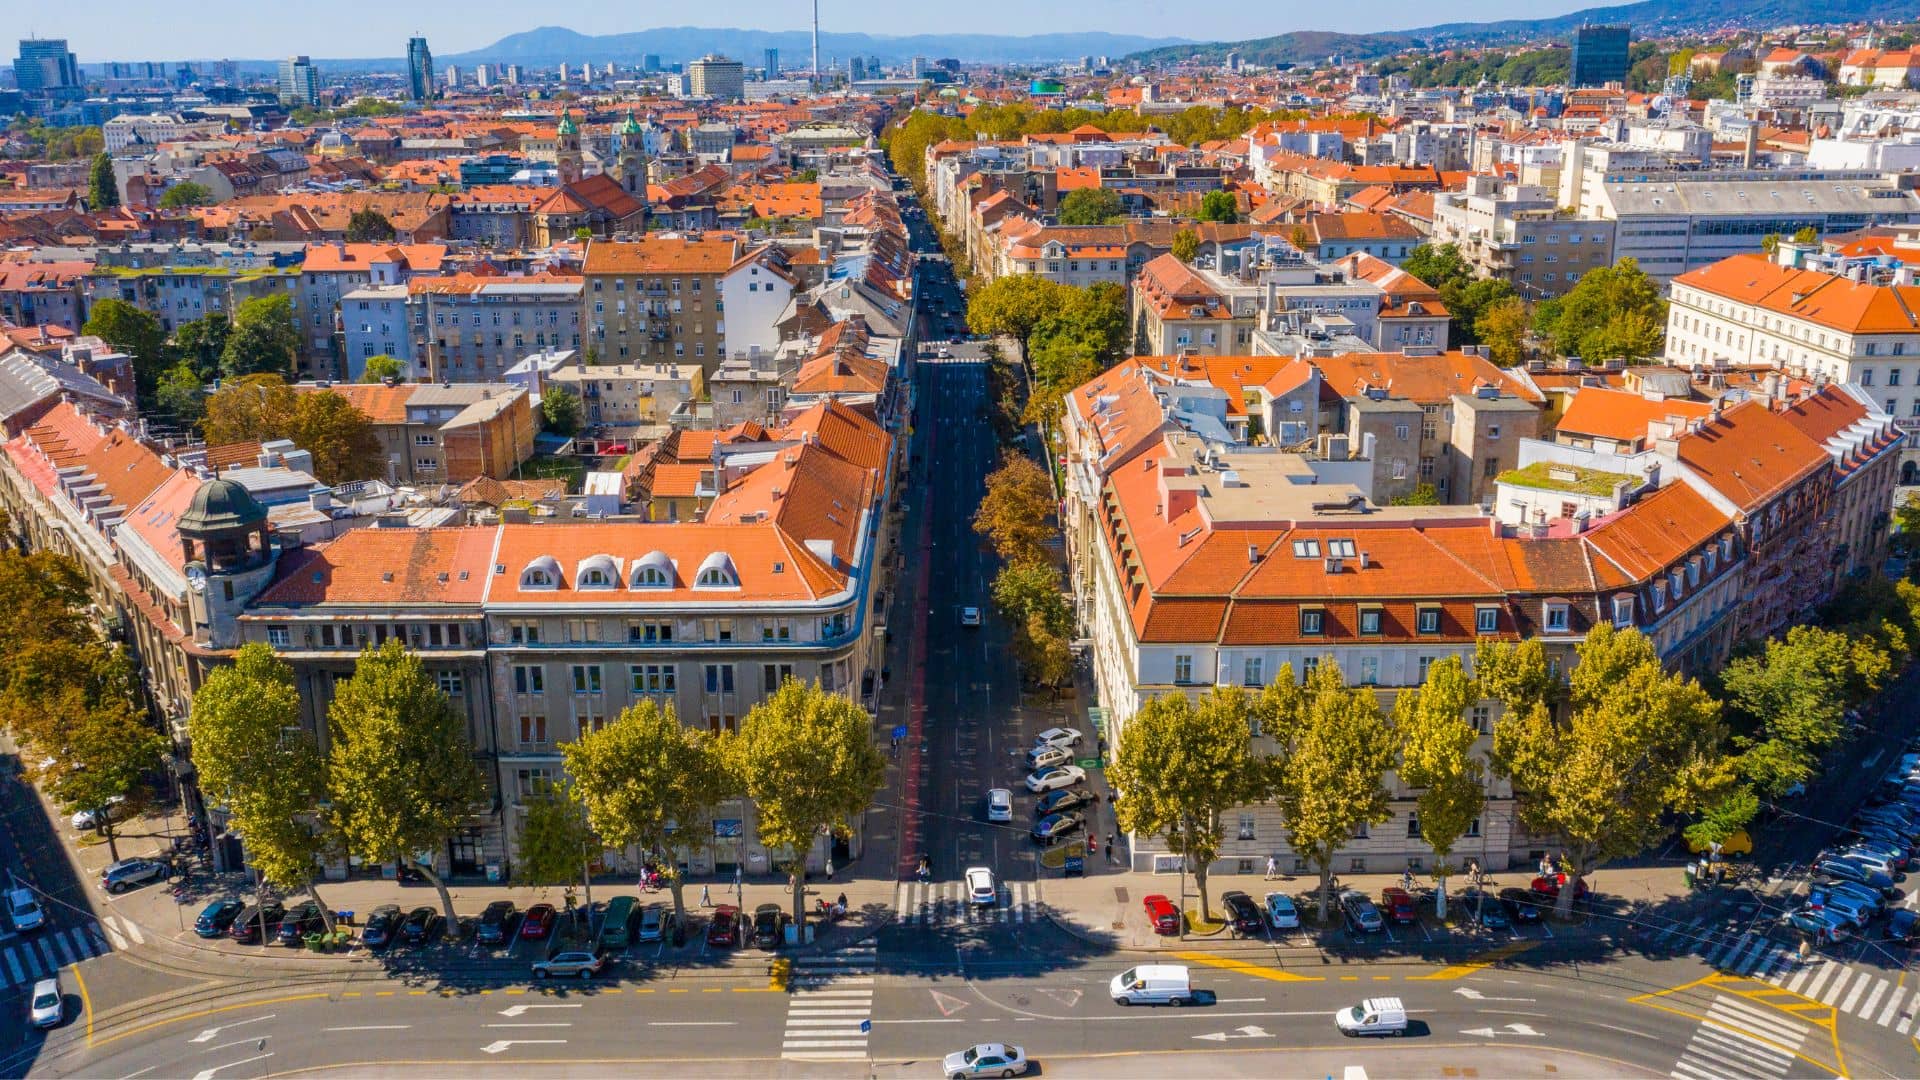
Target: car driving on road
(23,911)
(1065,738)
(981,888)
(47,1007)
(999,804)
(569,965)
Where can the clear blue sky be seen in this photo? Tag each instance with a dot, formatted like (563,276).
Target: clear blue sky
(126,30)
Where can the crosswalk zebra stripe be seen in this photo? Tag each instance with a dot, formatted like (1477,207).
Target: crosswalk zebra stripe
(46,950)
(77,937)
(58,943)
(119,941)
(1779,1028)
(13,969)
(1892,1006)
(1830,993)
(1866,1008)
(133,930)
(1860,987)
(1821,975)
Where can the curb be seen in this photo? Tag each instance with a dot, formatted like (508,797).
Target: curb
(1244,946)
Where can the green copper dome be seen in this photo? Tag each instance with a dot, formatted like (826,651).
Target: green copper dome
(567,126)
(220,506)
(631,126)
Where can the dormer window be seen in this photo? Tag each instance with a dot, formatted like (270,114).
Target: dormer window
(1427,620)
(1486,620)
(597,572)
(653,571)
(541,573)
(1556,617)
(1622,612)
(717,572)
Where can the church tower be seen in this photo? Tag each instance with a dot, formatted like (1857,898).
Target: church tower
(631,167)
(566,149)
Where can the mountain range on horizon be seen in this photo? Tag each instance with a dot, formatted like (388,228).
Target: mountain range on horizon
(677,44)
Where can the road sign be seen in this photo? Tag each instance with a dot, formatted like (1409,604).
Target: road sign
(866,1027)
(900,731)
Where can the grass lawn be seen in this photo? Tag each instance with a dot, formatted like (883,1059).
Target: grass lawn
(545,466)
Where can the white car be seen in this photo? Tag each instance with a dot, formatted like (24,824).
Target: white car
(47,1007)
(93,819)
(969,616)
(999,805)
(1281,914)
(986,1059)
(1059,776)
(23,910)
(981,888)
(1065,738)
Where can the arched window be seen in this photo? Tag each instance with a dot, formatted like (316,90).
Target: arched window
(717,572)
(653,571)
(597,572)
(541,573)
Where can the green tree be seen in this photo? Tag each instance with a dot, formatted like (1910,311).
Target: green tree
(403,774)
(262,338)
(1788,701)
(561,409)
(382,367)
(1186,245)
(1182,765)
(1633,744)
(1439,265)
(805,756)
(1022,590)
(181,395)
(251,407)
(1805,234)
(109,751)
(1502,327)
(368,226)
(1219,206)
(136,333)
(102,193)
(647,781)
(185,194)
(1015,509)
(1436,757)
(1613,311)
(1770,244)
(1013,306)
(1090,206)
(1046,658)
(1468,302)
(556,843)
(201,342)
(1423,494)
(255,759)
(1337,747)
(338,435)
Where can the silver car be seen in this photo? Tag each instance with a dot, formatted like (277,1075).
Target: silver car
(47,1007)
(581,965)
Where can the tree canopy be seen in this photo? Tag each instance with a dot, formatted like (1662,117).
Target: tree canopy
(136,333)
(368,226)
(1219,206)
(1436,758)
(1090,206)
(186,193)
(1186,245)
(1014,511)
(334,430)
(262,339)
(1614,311)
(102,193)
(381,367)
(561,409)
(1336,747)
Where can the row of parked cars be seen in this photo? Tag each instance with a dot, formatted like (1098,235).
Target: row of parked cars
(1059,783)
(1362,915)
(1854,883)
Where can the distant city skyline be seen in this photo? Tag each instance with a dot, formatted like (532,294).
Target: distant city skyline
(364,28)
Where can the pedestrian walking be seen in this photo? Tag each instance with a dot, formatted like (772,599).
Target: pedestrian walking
(829,868)
(1273,868)
(1109,851)
(705,899)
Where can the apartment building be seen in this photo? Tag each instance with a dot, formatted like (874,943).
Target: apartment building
(659,298)
(444,433)
(329,272)
(472,327)
(1516,234)
(632,400)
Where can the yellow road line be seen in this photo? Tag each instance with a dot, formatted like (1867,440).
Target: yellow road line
(1798,1006)
(197,1014)
(1244,968)
(86,1002)
(1485,960)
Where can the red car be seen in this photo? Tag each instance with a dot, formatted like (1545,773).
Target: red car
(1550,887)
(724,931)
(1162,914)
(538,922)
(1397,905)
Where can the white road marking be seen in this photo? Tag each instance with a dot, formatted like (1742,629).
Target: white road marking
(207,1074)
(371,1027)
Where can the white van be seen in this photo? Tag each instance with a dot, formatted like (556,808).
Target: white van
(1152,984)
(1374,1016)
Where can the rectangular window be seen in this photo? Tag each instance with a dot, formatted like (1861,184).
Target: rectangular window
(450,682)
(586,679)
(1369,671)
(651,678)
(1473,827)
(1425,663)
(773,675)
(279,637)
(1370,621)
(1254,671)
(1182,669)
(719,678)
(1246,825)
(1413,824)
(533,730)
(524,633)
(1311,621)
(532,781)
(1483,719)
(1486,620)
(529,680)
(1556,616)
(1429,620)
(718,723)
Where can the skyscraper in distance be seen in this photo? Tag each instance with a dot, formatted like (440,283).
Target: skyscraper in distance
(771,70)
(1599,56)
(419,70)
(299,82)
(45,65)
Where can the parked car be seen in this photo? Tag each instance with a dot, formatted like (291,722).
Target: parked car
(47,1007)
(999,804)
(1045,756)
(981,888)
(217,917)
(577,965)
(115,808)
(1162,914)
(1059,776)
(1048,830)
(1549,887)
(1360,914)
(1484,910)
(247,925)
(1845,869)
(1064,737)
(300,920)
(538,922)
(722,931)
(1903,925)
(1061,801)
(656,922)
(986,1059)
(769,924)
(1820,924)
(1245,915)
(1523,905)
(127,873)
(1397,904)
(23,911)
(418,927)
(382,924)
(496,923)
(1281,913)
(1874,859)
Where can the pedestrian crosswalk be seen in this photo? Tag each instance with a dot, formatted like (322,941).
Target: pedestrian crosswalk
(830,1006)
(39,953)
(1740,1040)
(937,903)
(1879,997)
